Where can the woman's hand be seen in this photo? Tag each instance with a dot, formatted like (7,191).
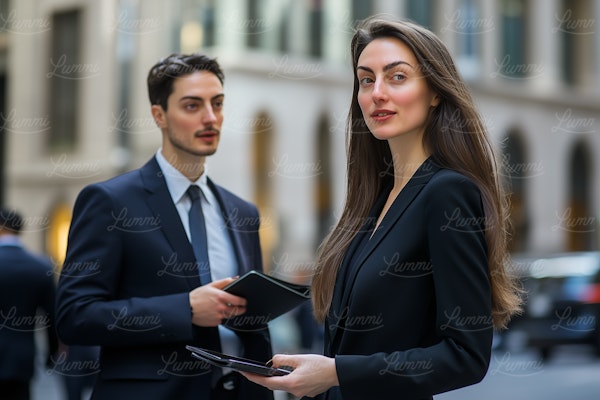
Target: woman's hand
(313,374)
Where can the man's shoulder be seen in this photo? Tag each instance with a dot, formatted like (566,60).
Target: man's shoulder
(228,196)
(127,180)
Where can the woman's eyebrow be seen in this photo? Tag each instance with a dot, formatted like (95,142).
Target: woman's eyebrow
(394,64)
(386,68)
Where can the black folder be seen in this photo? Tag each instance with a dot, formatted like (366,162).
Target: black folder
(267,298)
(237,363)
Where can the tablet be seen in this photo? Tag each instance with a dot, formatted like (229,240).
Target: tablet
(236,363)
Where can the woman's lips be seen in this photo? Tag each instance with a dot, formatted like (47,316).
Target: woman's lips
(382,115)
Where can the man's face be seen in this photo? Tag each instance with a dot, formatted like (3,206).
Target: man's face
(191,125)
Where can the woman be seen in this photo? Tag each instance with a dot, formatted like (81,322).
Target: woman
(411,281)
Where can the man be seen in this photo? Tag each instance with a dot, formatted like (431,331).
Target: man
(26,288)
(132,277)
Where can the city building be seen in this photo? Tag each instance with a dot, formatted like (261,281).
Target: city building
(75,107)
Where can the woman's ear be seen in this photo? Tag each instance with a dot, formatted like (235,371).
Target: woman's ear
(435,100)
(158,114)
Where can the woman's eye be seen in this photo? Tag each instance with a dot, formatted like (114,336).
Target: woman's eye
(398,77)
(365,80)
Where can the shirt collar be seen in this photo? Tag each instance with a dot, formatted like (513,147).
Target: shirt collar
(177,183)
(10,240)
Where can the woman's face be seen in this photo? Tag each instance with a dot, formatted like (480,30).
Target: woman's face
(393,94)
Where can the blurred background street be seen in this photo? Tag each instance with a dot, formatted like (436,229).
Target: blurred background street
(573,374)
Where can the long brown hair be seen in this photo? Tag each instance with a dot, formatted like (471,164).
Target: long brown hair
(457,139)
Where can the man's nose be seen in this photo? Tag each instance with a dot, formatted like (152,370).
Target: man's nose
(209,116)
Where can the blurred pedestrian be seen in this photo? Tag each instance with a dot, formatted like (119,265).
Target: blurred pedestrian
(27,292)
(411,282)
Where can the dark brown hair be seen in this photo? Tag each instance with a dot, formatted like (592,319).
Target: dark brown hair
(163,74)
(456,138)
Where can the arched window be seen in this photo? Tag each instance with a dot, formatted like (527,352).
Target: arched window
(516,171)
(323,183)
(578,219)
(262,164)
(58,231)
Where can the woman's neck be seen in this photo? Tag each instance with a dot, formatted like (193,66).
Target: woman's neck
(406,160)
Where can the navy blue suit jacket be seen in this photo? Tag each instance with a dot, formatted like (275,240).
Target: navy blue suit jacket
(411,312)
(125,285)
(26,288)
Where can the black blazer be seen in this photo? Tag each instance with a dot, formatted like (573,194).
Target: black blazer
(411,312)
(125,286)
(26,288)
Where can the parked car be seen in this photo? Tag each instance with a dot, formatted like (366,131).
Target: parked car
(562,301)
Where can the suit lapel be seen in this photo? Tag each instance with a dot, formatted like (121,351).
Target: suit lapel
(404,199)
(161,204)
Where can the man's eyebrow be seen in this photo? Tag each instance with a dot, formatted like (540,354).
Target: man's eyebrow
(387,67)
(197,98)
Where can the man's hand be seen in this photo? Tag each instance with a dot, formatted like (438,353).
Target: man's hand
(211,304)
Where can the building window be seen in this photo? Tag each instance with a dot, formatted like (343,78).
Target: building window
(262,158)
(469,25)
(284,28)
(64,77)
(361,9)
(420,11)
(253,27)
(208,17)
(515,172)
(577,30)
(315,18)
(512,64)
(57,234)
(324,181)
(197,25)
(577,220)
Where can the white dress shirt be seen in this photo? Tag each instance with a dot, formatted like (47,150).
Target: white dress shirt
(221,255)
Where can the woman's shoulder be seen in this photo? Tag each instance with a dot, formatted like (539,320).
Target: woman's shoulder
(447,184)
(445,177)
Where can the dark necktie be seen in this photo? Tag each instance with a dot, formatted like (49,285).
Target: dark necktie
(198,235)
(209,336)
